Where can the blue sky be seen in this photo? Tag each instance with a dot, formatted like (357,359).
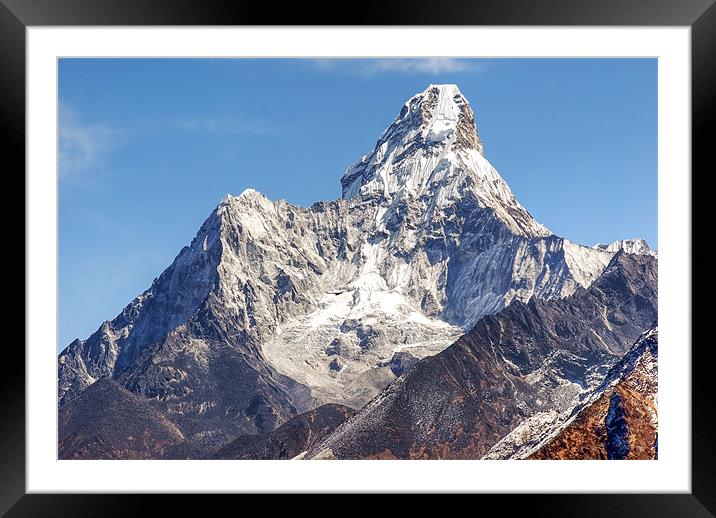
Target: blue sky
(148,147)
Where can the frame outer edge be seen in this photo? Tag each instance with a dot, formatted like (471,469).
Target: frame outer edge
(12,135)
(12,124)
(370,12)
(703,113)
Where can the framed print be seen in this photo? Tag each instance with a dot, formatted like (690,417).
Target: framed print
(439,254)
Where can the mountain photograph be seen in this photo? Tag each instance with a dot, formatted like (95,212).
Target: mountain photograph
(422,312)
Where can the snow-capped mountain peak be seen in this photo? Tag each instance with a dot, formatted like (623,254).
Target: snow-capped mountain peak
(443,114)
(636,246)
(334,299)
(427,126)
(249,192)
(432,154)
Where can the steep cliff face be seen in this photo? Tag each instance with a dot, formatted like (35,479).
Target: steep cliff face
(542,356)
(275,309)
(173,297)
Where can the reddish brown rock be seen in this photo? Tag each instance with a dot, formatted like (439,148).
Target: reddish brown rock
(622,422)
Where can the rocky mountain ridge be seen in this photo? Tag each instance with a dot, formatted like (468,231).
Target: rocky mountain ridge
(275,309)
(527,360)
(619,420)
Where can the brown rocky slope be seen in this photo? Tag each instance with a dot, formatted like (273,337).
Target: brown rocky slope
(621,423)
(289,440)
(528,358)
(106,421)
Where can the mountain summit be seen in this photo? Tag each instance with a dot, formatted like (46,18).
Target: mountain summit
(275,309)
(432,151)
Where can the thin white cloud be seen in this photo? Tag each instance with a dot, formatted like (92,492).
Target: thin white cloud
(221,126)
(83,146)
(371,67)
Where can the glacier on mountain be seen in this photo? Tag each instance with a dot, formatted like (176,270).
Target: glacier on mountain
(325,303)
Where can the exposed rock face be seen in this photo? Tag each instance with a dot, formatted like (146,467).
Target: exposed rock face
(213,381)
(108,422)
(289,440)
(172,299)
(620,419)
(275,309)
(528,358)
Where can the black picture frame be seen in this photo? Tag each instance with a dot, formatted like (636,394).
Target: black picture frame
(700,15)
